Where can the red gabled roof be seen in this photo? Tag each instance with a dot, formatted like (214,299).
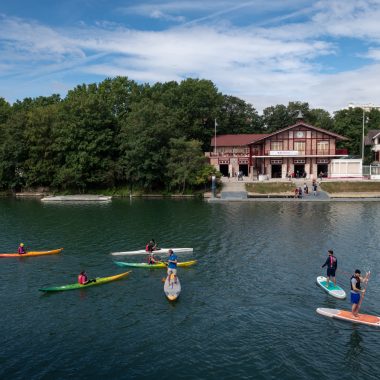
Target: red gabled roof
(237,140)
(339,137)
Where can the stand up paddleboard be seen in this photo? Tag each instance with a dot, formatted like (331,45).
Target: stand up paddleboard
(335,291)
(172,288)
(345,315)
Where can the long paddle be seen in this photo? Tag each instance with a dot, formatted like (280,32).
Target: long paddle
(362,295)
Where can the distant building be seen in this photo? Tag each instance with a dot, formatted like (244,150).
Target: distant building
(373,140)
(366,107)
(298,150)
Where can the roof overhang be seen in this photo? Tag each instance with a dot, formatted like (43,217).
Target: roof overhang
(303,156)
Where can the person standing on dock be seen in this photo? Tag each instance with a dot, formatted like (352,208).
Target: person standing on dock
(332,265)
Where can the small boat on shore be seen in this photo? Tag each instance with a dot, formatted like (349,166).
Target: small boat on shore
(157,251)
(154,266)
(99,281)
(77,198)
(31,254)
(172,287)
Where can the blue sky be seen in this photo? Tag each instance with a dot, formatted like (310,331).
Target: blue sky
(324,52)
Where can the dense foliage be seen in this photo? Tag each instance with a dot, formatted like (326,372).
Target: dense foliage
(121,134)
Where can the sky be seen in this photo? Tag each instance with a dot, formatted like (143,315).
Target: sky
(267,52)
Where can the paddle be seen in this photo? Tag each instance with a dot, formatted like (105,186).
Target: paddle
(362,295)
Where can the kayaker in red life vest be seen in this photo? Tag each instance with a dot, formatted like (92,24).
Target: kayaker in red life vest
(21,249)
(151,246)
(83,278)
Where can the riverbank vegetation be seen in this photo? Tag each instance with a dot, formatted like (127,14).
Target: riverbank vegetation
(270,188)
(351,187)
(119,134)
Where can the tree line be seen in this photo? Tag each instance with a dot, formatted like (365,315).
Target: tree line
(121,134)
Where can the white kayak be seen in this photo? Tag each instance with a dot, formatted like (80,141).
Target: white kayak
(335,291)
(172,287)
(346,315)
(158,251)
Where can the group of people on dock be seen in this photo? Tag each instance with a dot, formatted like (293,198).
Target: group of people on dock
(299,192)
(355,282)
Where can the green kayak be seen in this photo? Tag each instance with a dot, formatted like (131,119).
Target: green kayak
(153,266)
(99,281)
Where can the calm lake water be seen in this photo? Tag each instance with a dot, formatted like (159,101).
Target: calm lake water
(247,310)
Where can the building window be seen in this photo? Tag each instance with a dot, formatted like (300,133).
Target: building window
(276,145)
(299,146)
(322,147)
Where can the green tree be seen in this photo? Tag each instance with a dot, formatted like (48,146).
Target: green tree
(349,123)
(144,141)
(237,116)
(185,163)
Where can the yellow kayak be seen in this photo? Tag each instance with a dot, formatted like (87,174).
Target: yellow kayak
(32,253)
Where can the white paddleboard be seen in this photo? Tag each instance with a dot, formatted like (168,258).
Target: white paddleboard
(158,251)
(346,315)
(172,288)
(335,291)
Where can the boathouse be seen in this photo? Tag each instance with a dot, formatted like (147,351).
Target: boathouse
(300,150)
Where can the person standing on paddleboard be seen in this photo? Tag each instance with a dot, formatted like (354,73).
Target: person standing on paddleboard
(172,265)
(356,291)
(332,265)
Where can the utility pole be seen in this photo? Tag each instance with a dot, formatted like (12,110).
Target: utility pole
(363,137)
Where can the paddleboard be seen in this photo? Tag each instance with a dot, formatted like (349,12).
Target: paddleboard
(158,251)
(346,315)
(153,266)
(172,288)
(335,291)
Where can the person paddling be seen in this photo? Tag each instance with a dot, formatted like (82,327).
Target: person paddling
(151,246)
(172,265)
(332,265)
(356,291)
(83,278)
(21,249)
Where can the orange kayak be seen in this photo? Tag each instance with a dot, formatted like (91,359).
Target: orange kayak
(32,253)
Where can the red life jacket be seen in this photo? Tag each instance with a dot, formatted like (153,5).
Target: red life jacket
(82,279)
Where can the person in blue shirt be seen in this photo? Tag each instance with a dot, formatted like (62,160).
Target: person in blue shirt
(172,265)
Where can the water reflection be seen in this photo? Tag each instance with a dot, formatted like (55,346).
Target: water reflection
(355,349)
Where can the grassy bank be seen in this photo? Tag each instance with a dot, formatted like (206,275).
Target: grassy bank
(270,188)
(350,187)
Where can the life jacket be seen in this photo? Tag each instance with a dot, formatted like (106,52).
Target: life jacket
(357,282)
(332,261)
(147,248)
(21,250)
(82,279)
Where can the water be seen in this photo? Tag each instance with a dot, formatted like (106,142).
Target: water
(247,310)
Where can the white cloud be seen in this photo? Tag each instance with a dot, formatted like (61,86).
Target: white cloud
(265,65)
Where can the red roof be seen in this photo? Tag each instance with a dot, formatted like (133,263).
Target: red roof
(237,140)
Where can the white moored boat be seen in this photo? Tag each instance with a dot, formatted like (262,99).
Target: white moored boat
(158,251)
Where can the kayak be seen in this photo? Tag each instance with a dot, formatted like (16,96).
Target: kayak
(153,266)
(346,315)
(32,253)
(335,291)
(160,250)
(172,288)
(99,281)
